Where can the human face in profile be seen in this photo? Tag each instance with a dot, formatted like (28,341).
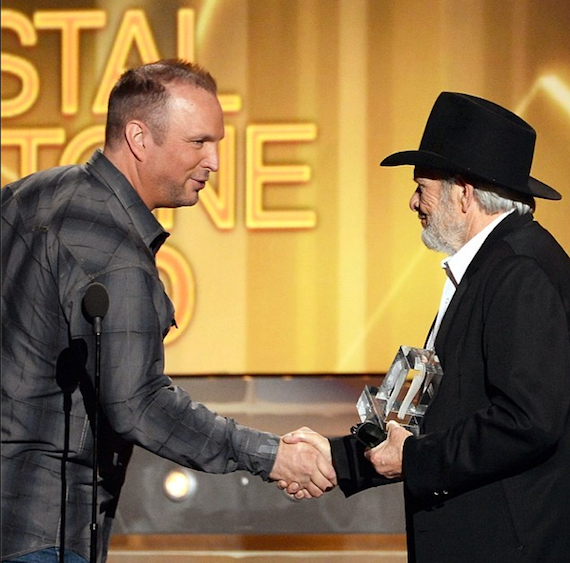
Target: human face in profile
(437,204)
(178,167)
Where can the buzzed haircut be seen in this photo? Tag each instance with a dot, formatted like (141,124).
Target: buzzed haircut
(142,93)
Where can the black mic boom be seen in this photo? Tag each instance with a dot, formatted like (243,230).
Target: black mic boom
(95,306)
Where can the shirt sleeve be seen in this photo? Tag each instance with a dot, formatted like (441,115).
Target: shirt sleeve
(142,404)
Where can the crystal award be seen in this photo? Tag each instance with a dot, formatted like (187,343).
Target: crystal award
(403,395)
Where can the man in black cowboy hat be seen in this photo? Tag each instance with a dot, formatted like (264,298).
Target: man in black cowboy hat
(488,478)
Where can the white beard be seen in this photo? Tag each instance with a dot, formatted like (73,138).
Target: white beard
(445,232)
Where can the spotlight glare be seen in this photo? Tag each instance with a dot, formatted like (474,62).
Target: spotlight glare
(179,484)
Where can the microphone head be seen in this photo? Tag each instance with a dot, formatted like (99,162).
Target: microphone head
(96,301)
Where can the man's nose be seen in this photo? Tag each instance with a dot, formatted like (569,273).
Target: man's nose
(212,160)
(415,201)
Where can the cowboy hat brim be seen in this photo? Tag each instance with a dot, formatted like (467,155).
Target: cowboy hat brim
(428,159)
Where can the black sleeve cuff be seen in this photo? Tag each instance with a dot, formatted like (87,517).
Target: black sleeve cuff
(354,472)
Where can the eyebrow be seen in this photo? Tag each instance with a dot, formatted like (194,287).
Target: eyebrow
(203,137)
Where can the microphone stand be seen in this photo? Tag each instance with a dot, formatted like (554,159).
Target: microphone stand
(97,387)
(95,305)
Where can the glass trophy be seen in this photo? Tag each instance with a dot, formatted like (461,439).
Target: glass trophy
(403,395)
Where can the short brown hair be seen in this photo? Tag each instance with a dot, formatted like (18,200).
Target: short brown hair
(142,93)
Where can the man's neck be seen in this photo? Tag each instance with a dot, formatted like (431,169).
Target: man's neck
(478,222)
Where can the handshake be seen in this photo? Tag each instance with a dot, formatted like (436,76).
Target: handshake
(303,466)
(304,469)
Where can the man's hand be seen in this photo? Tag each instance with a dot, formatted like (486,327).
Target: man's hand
(387,456)
(303,465)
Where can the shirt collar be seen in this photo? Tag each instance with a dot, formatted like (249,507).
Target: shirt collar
(145,222)
(455,266)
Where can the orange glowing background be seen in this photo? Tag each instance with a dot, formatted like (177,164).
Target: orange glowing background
(302,256)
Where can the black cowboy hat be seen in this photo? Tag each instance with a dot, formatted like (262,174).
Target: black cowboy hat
(472,136)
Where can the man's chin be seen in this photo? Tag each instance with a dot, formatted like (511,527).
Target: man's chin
(434,243)
(190,200)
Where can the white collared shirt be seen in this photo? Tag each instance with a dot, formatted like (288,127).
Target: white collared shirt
(455,267)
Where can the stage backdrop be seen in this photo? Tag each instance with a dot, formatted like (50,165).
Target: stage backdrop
(302,255)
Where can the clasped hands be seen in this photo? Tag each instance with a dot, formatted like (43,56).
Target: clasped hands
(303,467)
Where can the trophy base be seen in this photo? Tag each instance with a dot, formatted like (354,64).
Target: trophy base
(369,433)
(403,395)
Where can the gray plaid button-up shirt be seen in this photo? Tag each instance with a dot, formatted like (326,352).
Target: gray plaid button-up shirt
(62,229)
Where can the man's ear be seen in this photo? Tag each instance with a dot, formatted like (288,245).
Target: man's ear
(136,135)
(467,197)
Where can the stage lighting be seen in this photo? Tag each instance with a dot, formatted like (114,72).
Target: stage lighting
(179,484)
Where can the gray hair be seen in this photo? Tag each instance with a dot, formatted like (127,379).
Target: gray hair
(494,199)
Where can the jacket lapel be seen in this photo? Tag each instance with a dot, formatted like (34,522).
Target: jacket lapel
(513,221)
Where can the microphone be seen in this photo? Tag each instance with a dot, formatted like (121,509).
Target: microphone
(96,304)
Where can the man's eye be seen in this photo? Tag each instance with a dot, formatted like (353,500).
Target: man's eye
(198,142)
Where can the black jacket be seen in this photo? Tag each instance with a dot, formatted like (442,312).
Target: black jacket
(489,478)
